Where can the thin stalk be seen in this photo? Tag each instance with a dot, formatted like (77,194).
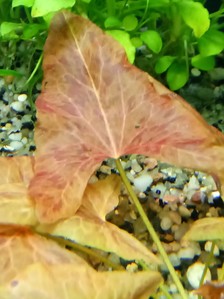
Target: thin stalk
(151,230)
(77,247)
(208,261)
(35,70)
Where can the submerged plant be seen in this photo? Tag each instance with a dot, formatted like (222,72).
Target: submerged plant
(94,104)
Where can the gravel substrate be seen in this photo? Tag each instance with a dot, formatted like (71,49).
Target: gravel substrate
(173,198)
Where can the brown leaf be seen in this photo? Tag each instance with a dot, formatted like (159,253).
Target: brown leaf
(34,267)
(211,290)
(15,204)
(89,227)
(95,105)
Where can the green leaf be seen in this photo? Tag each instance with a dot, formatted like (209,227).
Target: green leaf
(4,72)
(43,7)
(124,39)
(195,15)
(27,3)
(153,40)
(136,42)
(211,43)
(112,22)
(130,22)
(203,63)
(31,30)
(177,75)
(10,30)
(164,63)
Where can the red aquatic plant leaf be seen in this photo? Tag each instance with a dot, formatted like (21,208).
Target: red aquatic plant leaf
(94,105)
(34,267)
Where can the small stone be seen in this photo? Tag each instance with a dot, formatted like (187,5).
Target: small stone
(16,145)
(135,166)
(212,212)
(22,97)
(175,217)
(17,106)
(150,163)
(142,182)
(166,223)
(15,136)
(184,212)
(193,183)
(198,197)
(194,274)
(213,195)
(175,260)
(93,179)
(186,253)
(133,267)
(182,229)
(169,198)
(105,169)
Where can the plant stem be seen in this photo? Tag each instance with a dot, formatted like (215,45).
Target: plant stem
(77,247)
(151,230)
(208,262)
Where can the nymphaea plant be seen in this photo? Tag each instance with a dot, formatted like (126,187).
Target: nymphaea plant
(93,105)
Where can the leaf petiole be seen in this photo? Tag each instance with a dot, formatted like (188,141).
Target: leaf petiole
(151,230)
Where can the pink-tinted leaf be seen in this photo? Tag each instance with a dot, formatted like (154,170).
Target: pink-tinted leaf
(95,105)
(34,267)
(15,204)
(89,227)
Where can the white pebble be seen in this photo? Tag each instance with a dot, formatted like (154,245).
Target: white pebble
(186,253)
(24,140)
(17,106)
(22,97)
(208,246)
(174,259)
(15,136)
(16,145)
(195,272)
(166,223)
(193,183)
(142,182)
(184,212)
(135,166)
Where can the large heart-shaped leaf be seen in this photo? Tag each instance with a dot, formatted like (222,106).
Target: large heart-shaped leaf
(89,227)
(34,267)
(94,105)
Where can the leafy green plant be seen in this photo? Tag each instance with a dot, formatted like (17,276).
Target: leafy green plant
(88,111)
(170,36)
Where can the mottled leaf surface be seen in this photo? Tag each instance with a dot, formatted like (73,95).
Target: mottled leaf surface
(16,205)
(94,105)
(206,229)
(89,227)
(34,267)
(211,290)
